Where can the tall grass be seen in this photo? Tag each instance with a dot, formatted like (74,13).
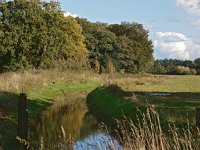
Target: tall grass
(149,135)
(29,80)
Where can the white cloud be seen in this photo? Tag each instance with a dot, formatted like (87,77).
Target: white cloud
(66,14)
(190,6)
(175,45)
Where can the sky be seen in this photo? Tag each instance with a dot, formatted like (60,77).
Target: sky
(174,25)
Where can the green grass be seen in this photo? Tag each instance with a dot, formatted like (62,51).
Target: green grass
(41,99)
(189,83)
(8,122)
(107,105)
(178,108)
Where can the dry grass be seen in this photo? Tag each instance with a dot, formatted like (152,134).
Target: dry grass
(33,79)
(148,134)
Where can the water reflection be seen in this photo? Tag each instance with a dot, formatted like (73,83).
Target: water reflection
(98,141)
(66,122)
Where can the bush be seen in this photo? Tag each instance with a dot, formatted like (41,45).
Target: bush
(193,71)
(181,70)
(158,69)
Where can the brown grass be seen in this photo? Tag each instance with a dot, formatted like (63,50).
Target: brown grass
(148,134)
(33,79)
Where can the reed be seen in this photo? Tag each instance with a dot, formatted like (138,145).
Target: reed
(148,134)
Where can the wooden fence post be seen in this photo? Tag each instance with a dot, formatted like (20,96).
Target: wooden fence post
(22,132)
(198,118)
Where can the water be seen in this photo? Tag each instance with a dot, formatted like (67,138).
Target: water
(69,125)
(97,140)
(158,94)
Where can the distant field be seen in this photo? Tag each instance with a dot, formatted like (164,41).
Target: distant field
(161,83)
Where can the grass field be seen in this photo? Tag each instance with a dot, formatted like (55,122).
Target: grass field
(160,83)
(43,87)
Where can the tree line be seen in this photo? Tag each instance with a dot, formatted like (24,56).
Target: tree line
(175,66)
(36,34)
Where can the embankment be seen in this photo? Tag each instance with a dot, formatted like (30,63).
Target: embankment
(109,103)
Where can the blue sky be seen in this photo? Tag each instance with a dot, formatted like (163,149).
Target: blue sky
(174,25)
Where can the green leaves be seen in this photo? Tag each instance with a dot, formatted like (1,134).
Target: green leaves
(126,44)
(134,50)
(99,41)
(36,34)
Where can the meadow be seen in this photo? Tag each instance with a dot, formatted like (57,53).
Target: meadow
(43,88)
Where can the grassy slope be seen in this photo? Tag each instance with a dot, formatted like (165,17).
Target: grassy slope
(106,104)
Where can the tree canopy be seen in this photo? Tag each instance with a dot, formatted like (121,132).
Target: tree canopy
(134,50)
(127,45)
(36,34)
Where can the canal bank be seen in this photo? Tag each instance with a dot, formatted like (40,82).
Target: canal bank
(38,101)
(111,103)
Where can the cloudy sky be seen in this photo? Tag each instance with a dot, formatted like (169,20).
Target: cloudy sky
(174,25)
